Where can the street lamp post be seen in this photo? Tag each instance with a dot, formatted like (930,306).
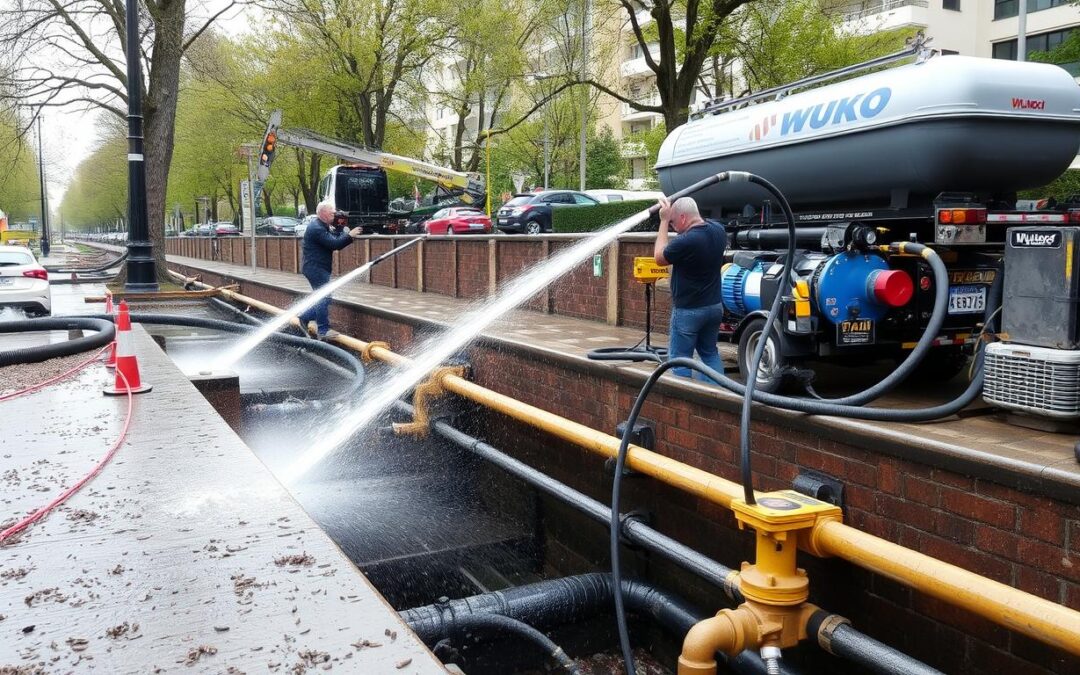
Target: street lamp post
(141,269)
(585,90)
(45,246)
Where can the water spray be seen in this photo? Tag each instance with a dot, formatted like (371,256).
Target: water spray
(434,351)
(228,358)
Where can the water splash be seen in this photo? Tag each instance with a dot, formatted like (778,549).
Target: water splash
(434,351)
(228,358)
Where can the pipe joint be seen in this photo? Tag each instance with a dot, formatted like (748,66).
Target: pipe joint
(366,353)
(433,388)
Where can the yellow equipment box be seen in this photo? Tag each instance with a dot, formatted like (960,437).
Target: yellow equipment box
(647,271)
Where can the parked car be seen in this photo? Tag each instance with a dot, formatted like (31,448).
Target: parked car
(276,226)
(531,213)
(458,220)
(225,229)
(23,282)
(624,195)
(298,232)
(204,230)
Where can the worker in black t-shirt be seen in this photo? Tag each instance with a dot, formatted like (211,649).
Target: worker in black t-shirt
(696,257)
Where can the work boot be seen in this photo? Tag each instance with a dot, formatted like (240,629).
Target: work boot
(330,335)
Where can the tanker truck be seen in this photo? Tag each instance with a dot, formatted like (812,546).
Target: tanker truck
(931,151)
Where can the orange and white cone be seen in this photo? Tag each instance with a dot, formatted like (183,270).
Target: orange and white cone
(111,361)
(127,367)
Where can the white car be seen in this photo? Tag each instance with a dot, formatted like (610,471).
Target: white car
(23,282)
(623,195)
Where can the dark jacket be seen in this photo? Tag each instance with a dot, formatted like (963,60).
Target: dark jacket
(320,243)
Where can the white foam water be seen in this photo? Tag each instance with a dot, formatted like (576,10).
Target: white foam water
(237,352)
(434,351)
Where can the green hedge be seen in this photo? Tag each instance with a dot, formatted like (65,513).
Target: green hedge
(591,218)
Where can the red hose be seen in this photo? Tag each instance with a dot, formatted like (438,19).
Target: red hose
(61,376)
(63,497)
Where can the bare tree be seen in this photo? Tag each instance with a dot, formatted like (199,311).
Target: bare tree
(71,54)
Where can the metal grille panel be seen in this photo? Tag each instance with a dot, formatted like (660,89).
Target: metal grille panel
(1033,379)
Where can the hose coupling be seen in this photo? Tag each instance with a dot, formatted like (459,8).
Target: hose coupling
(365,354)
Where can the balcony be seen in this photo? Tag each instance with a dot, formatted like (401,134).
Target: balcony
(629,114)
(884,14)
(637,67)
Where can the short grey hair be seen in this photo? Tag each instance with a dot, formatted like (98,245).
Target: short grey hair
(685,206)
(327,204)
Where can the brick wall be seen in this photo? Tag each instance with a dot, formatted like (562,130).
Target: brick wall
(578,293)
(1015,537)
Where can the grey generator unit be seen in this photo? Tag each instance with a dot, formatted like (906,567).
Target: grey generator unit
(1037,370)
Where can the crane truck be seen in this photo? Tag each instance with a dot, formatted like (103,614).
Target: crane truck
(360,188)
(932,151)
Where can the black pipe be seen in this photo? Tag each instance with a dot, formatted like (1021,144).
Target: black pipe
(100,268)
(758,238)
(633,529)
(235,311)
(104,333)
(328,351)
(836,636)
(557,602)
(496,623)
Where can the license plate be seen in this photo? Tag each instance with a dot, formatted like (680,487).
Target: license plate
(503,220)
(6,282)
(967,299)
(476,226)
(855,332)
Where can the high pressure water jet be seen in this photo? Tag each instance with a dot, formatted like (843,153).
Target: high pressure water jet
(436,350)
(228,358)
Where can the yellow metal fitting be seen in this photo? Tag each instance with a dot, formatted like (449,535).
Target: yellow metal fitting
(422,395)
(750,626)
(777,518)
(365,353)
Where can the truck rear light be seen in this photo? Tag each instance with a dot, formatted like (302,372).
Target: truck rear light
(39,273)
(961,216)
(924,283)
(1074,215)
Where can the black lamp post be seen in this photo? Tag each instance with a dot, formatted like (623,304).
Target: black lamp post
(141,269)
(45,247)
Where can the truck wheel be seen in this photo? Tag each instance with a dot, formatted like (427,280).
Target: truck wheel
(769,376)
(940,364)
(532,227)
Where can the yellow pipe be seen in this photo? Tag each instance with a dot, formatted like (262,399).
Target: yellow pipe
(1033,616)
(726,632)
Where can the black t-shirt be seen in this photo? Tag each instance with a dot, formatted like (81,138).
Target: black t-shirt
(696,258)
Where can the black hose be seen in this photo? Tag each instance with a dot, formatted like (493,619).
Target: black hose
(657,354)
(496,623)
(557,602)
(328,351)
(836,636)
(235,311)
(104,333)
(100,268)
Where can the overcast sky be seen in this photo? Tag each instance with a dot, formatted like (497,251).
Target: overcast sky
(70,136)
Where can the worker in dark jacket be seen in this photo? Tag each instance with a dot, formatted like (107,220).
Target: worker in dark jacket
(321,239)
(696,257)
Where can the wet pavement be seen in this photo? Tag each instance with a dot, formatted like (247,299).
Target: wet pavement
(185,554)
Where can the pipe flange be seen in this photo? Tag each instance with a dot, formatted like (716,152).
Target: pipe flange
(828,626)
(365,353)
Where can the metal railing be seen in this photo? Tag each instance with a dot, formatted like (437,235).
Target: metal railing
(863,10)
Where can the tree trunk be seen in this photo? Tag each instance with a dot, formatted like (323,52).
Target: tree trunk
(267,208)
(307,173)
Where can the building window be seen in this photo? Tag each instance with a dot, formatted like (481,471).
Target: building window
(1042,42)
(954,5)
(1006,9)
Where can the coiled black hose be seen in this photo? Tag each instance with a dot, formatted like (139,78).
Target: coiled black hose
(499,624)
(104,333)
(100,268)
(328,351)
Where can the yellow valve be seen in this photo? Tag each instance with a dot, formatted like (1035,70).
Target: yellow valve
(777,517)
(646,270)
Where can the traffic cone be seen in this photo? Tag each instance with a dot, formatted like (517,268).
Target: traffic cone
(127,366)
(111,361)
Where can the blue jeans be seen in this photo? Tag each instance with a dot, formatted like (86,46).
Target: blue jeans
(320,313)
(696,328)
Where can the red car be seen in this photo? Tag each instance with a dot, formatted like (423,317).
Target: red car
(458,220)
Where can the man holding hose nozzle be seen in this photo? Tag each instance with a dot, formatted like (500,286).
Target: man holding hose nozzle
(696,257)
(321,239)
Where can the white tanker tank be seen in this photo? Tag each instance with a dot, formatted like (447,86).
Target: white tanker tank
(906,134)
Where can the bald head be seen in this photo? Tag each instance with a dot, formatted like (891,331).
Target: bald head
(685,214)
